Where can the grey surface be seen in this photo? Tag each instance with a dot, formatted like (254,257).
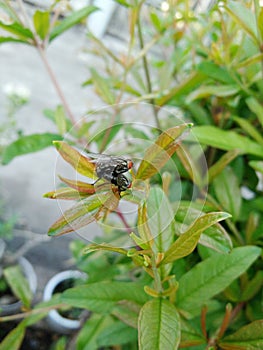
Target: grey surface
(27,178)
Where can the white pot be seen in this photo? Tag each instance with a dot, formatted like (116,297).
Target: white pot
(57,322)
(31,277)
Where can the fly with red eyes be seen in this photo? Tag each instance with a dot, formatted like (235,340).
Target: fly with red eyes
(112,169)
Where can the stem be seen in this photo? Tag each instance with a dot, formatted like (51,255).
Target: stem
(33,312)
(40,47)
(157,277)
(225,322)
(147,74)
(203,321)
(55,83)
(260,38)
(124,221)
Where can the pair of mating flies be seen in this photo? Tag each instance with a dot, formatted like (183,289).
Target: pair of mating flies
(112,169)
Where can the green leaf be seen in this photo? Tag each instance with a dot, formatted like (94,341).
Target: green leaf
(187,241)
(127,312)
(249,129)
(251,60)
(18,284)
(101,297)
(249,337)
(82,164)
(61,120)
(41,23)
(257,165)
(159,326)
(212,276)
(190,336)
(117,333)
(9,11)
(260,22)
(20,32)
(218,167)
(110,133)
(244,17)
(71,20)
(102,87)
(14,339)
(187,85)
(252,287)
(255,107)
(158,154)
(227,191)
(28,144)
(6,39)
(216,238)
(156,22)
(215,72)
(212,90)
(87,338)
(160,219)
(226,140)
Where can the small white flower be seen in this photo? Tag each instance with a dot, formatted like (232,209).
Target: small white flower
(17,90)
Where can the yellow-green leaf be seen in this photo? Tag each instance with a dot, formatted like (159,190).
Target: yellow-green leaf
(41,23)
(187,242)
(82,164)
(160,152)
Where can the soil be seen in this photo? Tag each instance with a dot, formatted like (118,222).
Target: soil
(35,339)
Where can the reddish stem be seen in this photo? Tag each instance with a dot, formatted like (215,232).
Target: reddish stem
(125,223)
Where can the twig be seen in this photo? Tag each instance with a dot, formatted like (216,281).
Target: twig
(147,74)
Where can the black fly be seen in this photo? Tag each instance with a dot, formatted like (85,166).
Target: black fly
(111,169)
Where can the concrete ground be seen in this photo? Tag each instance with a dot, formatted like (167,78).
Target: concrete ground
(27,178)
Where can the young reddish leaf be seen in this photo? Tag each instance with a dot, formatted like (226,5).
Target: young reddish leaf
(247,337)
(81,214)
(187,242)
(82,164)
(103,246)
(143,227)
(65,193)
(84,212)
(80,186)
(160,152)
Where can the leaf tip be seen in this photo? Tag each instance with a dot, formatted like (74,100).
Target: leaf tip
(57,144)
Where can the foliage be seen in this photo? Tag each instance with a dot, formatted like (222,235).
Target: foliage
(179,278)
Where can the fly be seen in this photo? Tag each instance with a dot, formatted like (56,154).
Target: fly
(112,169)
